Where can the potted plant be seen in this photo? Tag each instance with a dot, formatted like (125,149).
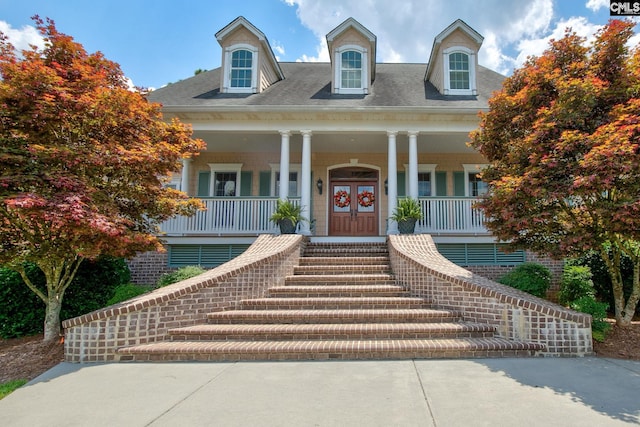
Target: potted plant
(406,214)
(287,216)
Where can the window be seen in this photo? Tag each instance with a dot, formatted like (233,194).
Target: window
(222,180)
(474,185)
(459,73)
(295,171)
(426,180)
(241,69)
(225,184)
(293,183)
(351,70)
(424,184)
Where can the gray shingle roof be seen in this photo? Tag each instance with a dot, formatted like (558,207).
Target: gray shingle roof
(308,84)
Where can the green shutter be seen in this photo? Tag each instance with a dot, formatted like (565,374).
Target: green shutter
(458,184)
(246,183)
(466,254)
(401,185)
(208,256)
(204,180)
(441,184)
(265,183)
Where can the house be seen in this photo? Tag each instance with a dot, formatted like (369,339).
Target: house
(345,139)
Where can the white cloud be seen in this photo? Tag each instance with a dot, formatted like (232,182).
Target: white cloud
(22,38)
(596,5)
(406,29)
(278,49)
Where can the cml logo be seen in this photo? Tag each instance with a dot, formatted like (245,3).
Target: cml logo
(624,8)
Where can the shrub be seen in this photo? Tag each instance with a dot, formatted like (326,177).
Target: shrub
(576,283)
(127,291)
(22,312)
(182,273)
(598,312)
(529,277)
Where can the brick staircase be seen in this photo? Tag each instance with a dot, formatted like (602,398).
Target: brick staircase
(341,303)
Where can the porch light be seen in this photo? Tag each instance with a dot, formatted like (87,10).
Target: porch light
(319,185)
(386,187)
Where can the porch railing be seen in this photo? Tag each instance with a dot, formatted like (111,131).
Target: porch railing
(225,216)
(250,216)
(450,215)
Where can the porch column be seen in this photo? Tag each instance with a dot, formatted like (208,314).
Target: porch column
(413,164)
(305,182)
(186,170)
(283,191)
(392,196)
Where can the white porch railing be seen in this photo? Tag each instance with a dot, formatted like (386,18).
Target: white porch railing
(226,216)
(450,215)
(250,216)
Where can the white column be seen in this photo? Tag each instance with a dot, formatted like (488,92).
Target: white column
(413,164)
(392,196)
(186,170)
(283,191)
(305,182)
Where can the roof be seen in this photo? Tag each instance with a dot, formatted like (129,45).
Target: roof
(308,85)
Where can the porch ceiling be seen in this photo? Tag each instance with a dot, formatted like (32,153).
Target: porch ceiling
(333,143)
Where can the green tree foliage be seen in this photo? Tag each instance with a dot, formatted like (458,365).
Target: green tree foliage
(562,139)
(83,160)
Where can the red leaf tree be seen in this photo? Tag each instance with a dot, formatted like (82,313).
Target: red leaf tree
(83,162)
(563,141)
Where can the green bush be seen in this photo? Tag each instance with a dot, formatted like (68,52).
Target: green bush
(529,277)
(127,291)
(22,312)
(576,283)
(182,273)
(597,310)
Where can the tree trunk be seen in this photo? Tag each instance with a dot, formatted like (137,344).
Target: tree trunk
(52,317)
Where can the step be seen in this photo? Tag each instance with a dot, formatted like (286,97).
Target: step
(337,290)
(332,331)
(419,315)
(328,349)
(342,269)
(327,303)
(340,279)
(333,260)
(367,250)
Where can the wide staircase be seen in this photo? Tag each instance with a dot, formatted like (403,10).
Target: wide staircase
(341,303)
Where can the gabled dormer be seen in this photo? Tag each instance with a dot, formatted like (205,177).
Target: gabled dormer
(453,64)
(248,63)
(352,49)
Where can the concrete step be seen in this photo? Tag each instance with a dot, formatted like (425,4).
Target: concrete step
(332,303)
(327,349)
(419,315)
(338,290)
(331,331)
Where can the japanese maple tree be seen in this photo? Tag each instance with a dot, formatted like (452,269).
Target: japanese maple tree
(562,139)
(83,161)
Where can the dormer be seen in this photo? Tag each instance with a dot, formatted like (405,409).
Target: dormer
(248,63)
(352,49)
(453,64)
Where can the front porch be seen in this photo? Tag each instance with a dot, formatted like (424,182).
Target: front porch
(249,216)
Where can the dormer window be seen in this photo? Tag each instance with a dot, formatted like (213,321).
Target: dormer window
(459,73)
(351,70)
(241,69)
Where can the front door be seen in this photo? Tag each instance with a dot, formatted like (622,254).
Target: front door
(354,208)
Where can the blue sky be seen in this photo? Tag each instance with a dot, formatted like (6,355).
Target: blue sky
(158,41)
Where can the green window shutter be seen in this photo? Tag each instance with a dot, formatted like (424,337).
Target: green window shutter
(246,183)
(204,180)
(265,183)
(441,184)
(401,184)
(458,184)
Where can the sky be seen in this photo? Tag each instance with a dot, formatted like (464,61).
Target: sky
(157,42)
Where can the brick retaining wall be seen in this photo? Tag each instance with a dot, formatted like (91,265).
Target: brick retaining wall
(95,337)
(516,315)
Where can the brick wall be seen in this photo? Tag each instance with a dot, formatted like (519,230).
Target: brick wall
(516,315)
(95,337)
(147,268)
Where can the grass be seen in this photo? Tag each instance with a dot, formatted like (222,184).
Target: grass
(8,387)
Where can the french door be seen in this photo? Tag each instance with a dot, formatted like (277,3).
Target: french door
(354,208)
